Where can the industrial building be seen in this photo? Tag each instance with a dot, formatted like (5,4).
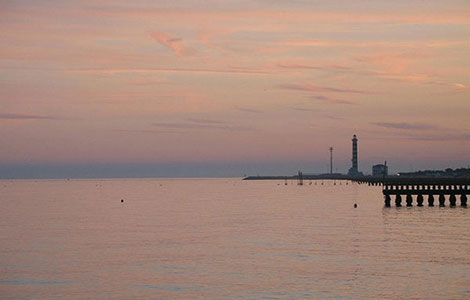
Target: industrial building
(379,170)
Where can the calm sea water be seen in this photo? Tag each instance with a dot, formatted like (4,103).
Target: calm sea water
(225,239)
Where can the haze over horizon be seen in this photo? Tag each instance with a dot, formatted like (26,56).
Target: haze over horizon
(227,88)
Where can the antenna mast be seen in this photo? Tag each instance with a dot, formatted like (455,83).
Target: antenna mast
(331,160)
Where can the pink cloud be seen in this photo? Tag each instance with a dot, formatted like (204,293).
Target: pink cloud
(395,62)
(295,66)
(410,78)
(22,117)
(239,71)
(206,38)
(309,87)
(319,67)
(333,100)
(171,42)
(249,110)
(406,126)
(413,15)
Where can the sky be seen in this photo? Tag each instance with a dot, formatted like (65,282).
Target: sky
(228,88)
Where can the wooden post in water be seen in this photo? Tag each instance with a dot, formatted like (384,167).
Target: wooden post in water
(387,200)
(301,179)
(442,200)
(420,200)
(452,200)
(431,200)
(409,200)
(463,200)
(398,200)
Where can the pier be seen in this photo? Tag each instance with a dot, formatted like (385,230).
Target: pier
(441,189)
(402,190)
(441,186)
(411,189)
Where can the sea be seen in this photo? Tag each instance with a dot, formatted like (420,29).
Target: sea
(225,239)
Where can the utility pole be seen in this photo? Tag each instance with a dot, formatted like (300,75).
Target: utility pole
(331,160)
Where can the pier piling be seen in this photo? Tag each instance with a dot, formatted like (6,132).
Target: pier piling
(463,200)
(387,200)
(420,200)
(421,187)
(452,200)
(398,201)
(442,200)
(431,200)
(409,200)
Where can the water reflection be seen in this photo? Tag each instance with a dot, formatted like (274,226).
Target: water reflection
(225,239)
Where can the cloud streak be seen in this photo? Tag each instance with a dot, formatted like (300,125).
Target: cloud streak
(249,110)
(205,121)
(308,87)
(171,42)
(141,131)
(296,66)
(405,126)
(459,85)
(442,138)
(24,117)
(302,109)
(170,70)
(195,126)
(413,15)
(333,100)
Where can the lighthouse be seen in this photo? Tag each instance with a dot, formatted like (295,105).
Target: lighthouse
(354,171)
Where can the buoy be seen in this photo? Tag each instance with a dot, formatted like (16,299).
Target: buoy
(355,205)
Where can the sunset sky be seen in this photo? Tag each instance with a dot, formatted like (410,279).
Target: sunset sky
(227,88)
